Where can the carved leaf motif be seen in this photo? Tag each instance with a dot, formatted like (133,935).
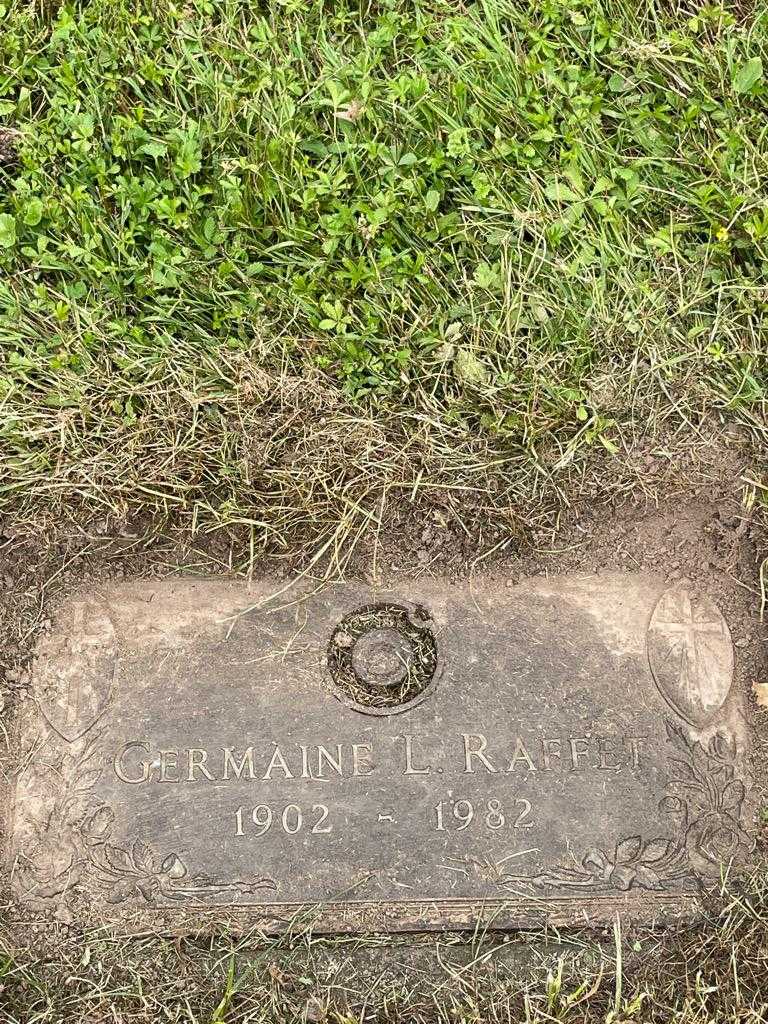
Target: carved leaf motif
(677,737)
(701,761)
(628,849)
(100,823)
(732,797)
(118,859)
(655,850)
(705,808)
(721,774)
(76,809)
(143,857)
(596,862)
(71,842)
(684,768)
(87,780)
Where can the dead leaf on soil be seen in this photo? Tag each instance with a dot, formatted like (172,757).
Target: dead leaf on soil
(351,112)
(314,1010)
(468,368)
(276,974)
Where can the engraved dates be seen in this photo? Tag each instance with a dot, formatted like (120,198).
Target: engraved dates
(432,756)
(492,814)
(290,819)
(75,846)
(704,806)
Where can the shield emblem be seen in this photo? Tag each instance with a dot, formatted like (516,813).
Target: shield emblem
(690,654)
(75,667)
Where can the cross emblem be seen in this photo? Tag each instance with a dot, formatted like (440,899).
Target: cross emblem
(75,678)
(689,630)
(74,682)
(690,654)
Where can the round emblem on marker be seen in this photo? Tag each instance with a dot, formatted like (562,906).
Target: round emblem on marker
(383,658)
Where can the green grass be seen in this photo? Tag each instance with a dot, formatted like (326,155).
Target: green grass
(281,267)
(713,973)
(274,264)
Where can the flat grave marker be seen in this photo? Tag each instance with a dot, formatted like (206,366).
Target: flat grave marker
(198,753)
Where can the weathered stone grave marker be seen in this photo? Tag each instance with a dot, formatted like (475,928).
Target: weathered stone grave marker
(430,757)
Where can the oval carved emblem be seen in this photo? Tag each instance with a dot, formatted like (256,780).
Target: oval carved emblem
(75,667)
(690,654)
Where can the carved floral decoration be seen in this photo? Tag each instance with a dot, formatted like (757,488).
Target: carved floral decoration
(704,802)
(74,844)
